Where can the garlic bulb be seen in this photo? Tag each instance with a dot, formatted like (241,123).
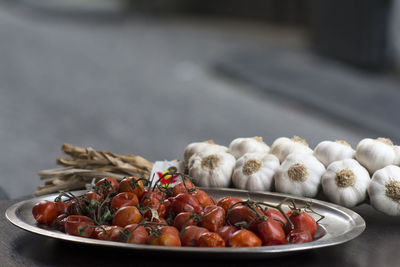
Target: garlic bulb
(374,154)
(201,147)
(255,171)
(212,169)
(284,146)
(328,151)
(241,146)
(345,182)
(300,175)
(384,190)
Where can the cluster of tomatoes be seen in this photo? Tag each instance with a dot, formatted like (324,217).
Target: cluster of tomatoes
(183,215)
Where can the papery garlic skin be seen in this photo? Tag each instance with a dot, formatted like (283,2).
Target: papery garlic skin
(375,154)
(345,182)
(212,169)
(300,175)
(240,146)
(384,190)
(255,171)
(329,151)
(197,147)
(284,146)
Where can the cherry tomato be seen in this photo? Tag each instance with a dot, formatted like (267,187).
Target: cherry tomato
(302,221)
(242,214)
(244,238)
(76,207)
(154,204)
(275,214)
(79,225)
(186,202)
(93,195)
(124,199)
(115,233)
(132,184)
(62,207)
(191,234)
(298,236)
(227,202)
(183,187)
(213,218)
(226,232)
(101,233)
(135,234)
(127,215)
(210,239)
(166,236)
(59,222)
(202,197)
(107,185)
(184,219)
(45,212)
(271,232)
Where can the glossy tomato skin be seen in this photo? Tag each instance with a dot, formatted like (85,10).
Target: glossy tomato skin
(76,207)
(191,234)
(59,222)
(62,207)
(132,184)
(153,204)
(124,199)
(45,212)
(213,217)
(202,197)
(186,202)
(78,225)
(210,239)
(127,215)
(241,213)
(226,233)
(180,188)
(184,219)
(93,195)
(244,238)
(107,185)
(298,236)
(227,202)
(302,221)
(115,233)
(101,233)
(136,234)
(168,236)
(275,214)
(271,232)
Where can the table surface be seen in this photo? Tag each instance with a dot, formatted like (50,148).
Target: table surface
(377,246)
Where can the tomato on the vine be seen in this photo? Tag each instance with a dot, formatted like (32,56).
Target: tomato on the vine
(243,216)
(132,184)
(227,202)
(79,225)
(202,197)
(165,236)
(191,234)
(93,195)
(183,187)
(244,238)
(186,202)
(226,233)
(271,232)
(302,221)
(45,212)
(107,185)
(124,199)
(184,219)
(135,234)
(210,239)
(297,236)
(275,214)
(127,215)
(213,217)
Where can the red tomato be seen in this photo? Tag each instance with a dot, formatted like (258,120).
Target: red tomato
(124,199)
(213,218)
(184,219)
(240,214)
(115,233)
(135,234)
(153,204)
(271,232)
(79,225)
(107,185)
(75,207)
(209,239)
(62,207)
(59,222)
(45,212)
(127,215)
(101,233)
(202,197)
(275,214)
(167,236)
(183,187)
(227,202)
(132,184)
(244,238)
(93,195)
(298,236)
(226,232)
(302,221)
(191,234)
(186,202)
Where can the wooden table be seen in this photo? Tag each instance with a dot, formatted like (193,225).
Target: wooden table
(377,246)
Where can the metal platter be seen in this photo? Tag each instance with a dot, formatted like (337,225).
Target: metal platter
(339,225)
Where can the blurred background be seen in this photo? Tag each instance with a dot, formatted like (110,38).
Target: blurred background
(149,77)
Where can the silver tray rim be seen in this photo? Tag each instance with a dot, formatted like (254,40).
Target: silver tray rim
(357,226)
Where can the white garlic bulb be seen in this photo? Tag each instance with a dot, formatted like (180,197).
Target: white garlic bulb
(329,151)
(345,182)
(197,147)
(300,175)
(384,190)
(212,169)
(243,145)
(374,154)
(284,146)
(255,171)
